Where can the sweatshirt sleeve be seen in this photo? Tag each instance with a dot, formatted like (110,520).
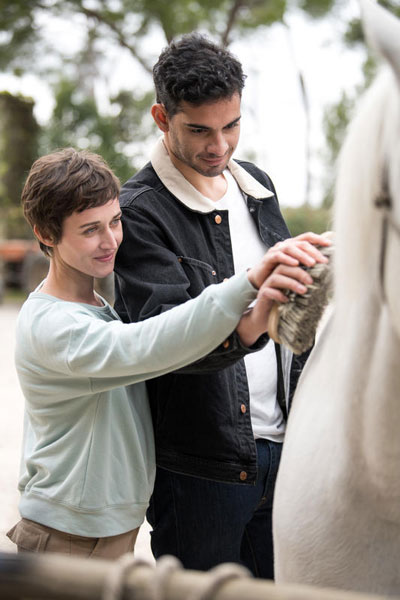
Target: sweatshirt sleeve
(115,353)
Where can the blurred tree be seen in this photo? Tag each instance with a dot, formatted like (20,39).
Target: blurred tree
(75,69)
(336,118)
(125,22)
(338,115)
(18,149)
(99,27)
(76,121)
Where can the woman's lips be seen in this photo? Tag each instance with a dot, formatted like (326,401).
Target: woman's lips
(106,257)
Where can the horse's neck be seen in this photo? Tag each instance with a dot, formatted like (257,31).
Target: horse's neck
(354,377)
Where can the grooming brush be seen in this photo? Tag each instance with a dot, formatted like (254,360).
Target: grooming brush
(295,322)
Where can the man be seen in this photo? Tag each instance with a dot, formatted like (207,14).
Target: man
(192,217)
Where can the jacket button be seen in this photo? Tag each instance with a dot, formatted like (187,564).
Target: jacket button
(226,344)
(243,408)
(218,219)
(213,273)
(243,476)
(179,259)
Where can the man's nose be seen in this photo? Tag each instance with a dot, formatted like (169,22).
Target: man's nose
(218,145)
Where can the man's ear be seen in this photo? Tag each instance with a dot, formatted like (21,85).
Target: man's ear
(47,241)
(160,116)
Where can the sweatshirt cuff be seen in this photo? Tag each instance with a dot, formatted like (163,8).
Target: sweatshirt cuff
(236,293)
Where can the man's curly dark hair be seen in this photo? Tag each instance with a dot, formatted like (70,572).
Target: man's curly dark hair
(195,70)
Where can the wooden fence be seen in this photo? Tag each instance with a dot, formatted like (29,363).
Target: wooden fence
(58,577)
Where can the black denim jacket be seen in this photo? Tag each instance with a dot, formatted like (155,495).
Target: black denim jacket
(170,253)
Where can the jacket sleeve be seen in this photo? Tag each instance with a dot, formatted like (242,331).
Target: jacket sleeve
(150,280)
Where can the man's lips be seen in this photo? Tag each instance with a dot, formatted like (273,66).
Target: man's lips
(214,161)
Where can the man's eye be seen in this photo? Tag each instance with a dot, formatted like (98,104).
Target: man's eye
(116,222)
(197,130)
(90,230)
(232,125)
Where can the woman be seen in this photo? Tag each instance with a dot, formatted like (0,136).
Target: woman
(88,454)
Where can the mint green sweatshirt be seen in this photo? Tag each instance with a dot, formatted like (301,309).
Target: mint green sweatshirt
(88,460)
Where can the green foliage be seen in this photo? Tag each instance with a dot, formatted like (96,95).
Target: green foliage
(77,119)
(335,121)
(18,33)
(119,131)
(317,8)
(256,13)
(306,218)
(354,34)
(336,118)
(124,23)
(77,122)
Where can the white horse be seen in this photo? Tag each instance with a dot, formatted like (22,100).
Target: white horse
(337,499)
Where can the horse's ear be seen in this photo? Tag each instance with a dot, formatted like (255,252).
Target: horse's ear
(382,30)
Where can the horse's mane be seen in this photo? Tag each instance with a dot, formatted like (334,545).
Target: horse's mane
(371,147)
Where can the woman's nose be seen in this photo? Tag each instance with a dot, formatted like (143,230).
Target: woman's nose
(108,239)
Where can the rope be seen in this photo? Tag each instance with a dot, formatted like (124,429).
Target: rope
(116,578)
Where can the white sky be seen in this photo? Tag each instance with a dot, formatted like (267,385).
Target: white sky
(273,119)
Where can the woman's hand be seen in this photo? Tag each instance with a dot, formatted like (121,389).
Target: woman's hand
(279,270)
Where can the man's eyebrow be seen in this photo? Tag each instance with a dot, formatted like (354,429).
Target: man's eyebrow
(91,223)
(197,126)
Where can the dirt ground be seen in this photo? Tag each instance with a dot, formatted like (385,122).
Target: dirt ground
(11,419)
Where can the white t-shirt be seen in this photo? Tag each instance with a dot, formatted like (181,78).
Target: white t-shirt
(247,248)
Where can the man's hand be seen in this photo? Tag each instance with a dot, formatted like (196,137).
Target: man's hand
(279,270)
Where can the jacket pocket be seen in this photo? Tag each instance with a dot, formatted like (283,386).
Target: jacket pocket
(200,274)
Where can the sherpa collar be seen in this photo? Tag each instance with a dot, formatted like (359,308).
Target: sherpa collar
(187,193)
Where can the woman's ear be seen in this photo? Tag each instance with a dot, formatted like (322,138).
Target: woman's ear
(47,241)
(160,116)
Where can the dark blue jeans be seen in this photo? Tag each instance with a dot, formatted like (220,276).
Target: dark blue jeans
(205,523)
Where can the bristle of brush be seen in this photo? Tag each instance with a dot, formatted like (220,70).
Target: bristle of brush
(298,319)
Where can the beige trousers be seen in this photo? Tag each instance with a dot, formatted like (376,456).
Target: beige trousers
(30,536)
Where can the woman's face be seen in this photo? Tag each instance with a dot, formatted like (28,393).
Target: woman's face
(90,240)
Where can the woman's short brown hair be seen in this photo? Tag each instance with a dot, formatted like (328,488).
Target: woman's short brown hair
(61,183)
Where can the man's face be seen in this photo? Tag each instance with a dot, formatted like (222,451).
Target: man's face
(204,137)
(90,240)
